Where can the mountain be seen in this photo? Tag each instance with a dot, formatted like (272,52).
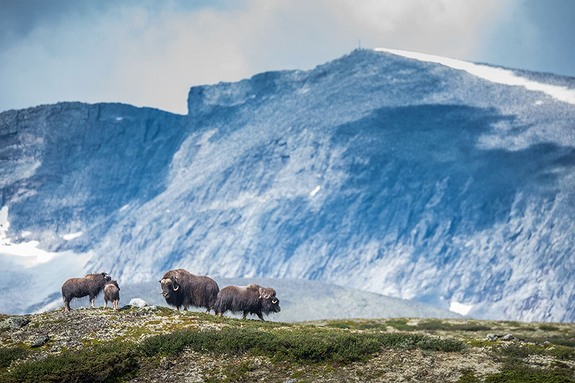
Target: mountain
(450,184)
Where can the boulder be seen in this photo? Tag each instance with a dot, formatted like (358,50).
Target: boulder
(138,302)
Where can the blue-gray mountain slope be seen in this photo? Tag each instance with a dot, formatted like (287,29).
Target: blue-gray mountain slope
(373,171)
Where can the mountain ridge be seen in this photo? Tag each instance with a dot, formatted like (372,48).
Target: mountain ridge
(373,171)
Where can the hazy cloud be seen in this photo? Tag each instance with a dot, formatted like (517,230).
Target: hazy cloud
(150,53)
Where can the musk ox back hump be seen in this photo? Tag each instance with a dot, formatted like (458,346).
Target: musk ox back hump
(235,299)
(181,288)
(91,285)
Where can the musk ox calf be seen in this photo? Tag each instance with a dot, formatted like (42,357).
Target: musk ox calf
(91,284)
(112,294)
(250,299)
(181,288)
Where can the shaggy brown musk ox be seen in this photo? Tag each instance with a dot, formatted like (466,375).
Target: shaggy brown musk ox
(250,299)
(112,294)
(181,288)
(91,284)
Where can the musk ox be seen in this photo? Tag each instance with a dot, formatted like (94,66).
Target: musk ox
(181,288)
(112,294)
(91,284)
(250,299)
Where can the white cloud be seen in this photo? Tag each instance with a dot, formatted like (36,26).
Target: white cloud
(129,53)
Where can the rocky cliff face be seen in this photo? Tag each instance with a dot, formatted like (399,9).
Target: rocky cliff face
(373,171)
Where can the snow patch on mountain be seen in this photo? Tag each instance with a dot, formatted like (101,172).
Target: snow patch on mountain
(489,73)
(71,236)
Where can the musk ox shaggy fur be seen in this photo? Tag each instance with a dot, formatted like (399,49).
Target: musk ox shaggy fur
(250,299)
(91,285)
(112,294)
(181,288)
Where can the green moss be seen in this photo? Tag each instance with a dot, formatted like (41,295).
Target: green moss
(358,324)
(560,339)
(548,327)
(341,324)
(99,363)
(468,376)
(526,374)
(561,352)
(299,345)
(400,324)
(233,372)
(434,325)
(8,354)
(523,350)
(511,323)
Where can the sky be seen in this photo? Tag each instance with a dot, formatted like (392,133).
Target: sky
(150,52)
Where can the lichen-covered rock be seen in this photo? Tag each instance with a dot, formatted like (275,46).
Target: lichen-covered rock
(14,323)
(40,341)
(138,302)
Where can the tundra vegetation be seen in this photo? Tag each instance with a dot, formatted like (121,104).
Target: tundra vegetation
(143,345)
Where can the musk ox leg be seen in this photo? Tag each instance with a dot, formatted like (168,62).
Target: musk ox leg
(92,303)
(207,311)
(115,305)
(220,314)
(105,304)
(66,306)
(260,316)
(245,314)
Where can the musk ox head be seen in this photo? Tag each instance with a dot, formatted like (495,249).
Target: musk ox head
(106,277)
(270,303)
(169,287)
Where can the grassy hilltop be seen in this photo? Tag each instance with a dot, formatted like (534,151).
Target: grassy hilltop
(146,345)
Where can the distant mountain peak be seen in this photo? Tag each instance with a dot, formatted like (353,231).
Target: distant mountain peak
(375,171)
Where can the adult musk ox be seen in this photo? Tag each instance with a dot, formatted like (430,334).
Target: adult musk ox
(112,294)
(91,284)
(181,288)
(250,299)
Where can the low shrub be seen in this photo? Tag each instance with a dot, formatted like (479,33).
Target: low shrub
(299,346)
(522,350)
(8,354)
(526,374)
(99,363)
(400,324)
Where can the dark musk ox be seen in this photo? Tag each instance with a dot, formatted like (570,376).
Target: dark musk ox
(250,299)
(181,288)
(112,294)
(91,284)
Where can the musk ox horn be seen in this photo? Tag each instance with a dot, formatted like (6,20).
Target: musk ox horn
(161,292)
(175,283)
(266,292)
